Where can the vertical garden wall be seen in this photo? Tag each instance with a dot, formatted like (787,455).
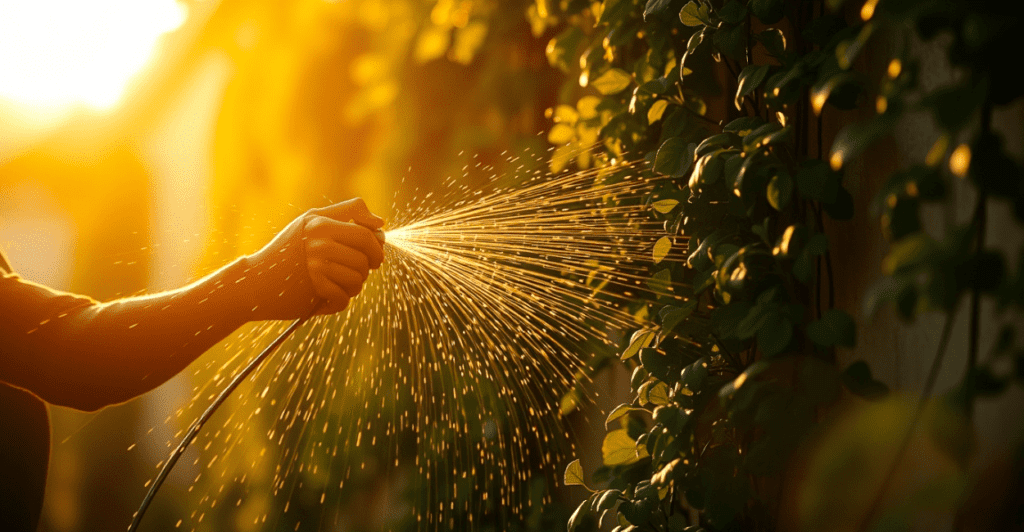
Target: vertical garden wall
(847,191)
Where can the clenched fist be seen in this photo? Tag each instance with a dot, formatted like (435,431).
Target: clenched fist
(325,256)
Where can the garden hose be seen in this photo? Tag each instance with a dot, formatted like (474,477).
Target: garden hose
(193,431)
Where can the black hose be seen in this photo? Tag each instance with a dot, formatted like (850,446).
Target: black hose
(193,431)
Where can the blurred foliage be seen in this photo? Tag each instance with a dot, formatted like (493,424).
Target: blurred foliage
(726,97)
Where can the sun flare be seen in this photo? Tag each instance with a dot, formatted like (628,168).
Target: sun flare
(57,54)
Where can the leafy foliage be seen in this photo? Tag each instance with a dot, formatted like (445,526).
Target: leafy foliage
(726,98)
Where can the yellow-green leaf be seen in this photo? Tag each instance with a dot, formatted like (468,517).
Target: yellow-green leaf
(665,206)
(613,81)
(690,14)
(658,394)
(618,412)
(638,341)
(619,449)
(561,134)
(656,111)
(574,474)
(661,248)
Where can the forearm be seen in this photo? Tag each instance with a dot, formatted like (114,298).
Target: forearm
(87,355)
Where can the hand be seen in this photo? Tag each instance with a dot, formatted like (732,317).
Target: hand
(325,254)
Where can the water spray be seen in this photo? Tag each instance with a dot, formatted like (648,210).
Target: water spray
(193,431)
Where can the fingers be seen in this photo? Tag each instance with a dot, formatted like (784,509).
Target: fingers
(355,237)
(354,209)
(330,291)
(331,251)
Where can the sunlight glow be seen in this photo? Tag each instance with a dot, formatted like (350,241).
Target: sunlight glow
(56,54)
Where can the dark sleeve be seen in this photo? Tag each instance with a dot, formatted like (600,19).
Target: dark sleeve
(73,351)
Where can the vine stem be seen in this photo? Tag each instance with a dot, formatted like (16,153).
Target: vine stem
(980,222)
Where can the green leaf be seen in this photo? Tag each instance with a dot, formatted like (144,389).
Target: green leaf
(671,418)
(640,339)
(619,449)
(768,11)
(656,111)
(580,516)
(658,393)
(834,328)
(774,41)
(715,143)
(574,474)
(857,378)
(613,81)
(690,14)
(664,367)
(661,249)
(744,125)
(731,41)
(674,157)
(707,170)
(692,376)
(732,12)
(665,206)
(607,500)
(780,190)
(619,412)
(672,316)
(753,141)
(656,8)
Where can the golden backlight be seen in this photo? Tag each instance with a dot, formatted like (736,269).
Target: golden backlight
(57,54)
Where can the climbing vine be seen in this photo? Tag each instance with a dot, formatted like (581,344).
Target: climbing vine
(727,99)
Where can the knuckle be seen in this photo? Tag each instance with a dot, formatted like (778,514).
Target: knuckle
(315,222)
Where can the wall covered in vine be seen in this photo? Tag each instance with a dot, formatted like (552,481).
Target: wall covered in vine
(785,137)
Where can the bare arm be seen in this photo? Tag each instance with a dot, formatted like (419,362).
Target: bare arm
(72,351)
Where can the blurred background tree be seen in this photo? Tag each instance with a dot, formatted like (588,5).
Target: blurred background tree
(244,116)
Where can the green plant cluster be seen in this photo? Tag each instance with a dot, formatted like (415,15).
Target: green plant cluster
(724,101)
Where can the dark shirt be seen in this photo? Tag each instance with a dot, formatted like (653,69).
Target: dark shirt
(69,350)
(24,451)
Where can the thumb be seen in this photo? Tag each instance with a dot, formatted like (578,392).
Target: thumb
(354,209)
